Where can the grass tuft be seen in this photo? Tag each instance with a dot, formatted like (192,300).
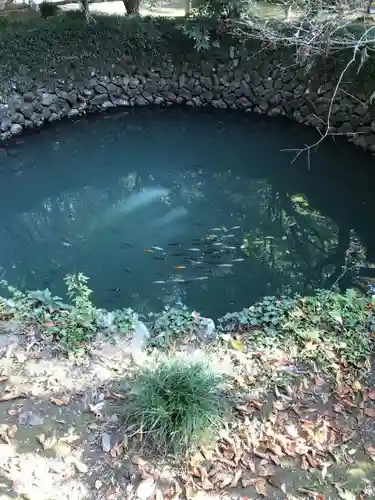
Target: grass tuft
(177,405)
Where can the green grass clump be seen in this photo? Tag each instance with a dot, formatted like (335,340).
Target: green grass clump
(177,405)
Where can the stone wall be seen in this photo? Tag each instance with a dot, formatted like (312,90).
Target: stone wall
(235,79)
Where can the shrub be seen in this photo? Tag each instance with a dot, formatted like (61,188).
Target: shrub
(176,406)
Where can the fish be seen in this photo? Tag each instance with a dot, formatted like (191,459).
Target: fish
(230,248)
(179,267)
(234,227)
(225,265)
(148,251)
(127,270)
(66,244)
(240,259)
(114,289)
(200,278)
(160,258)
(159,282)
(159,249)
(126,245)
(212,237)
(177,254)
(218,244)
(174,244)
(194,249)
(196,262)
(228,236)
(178,280)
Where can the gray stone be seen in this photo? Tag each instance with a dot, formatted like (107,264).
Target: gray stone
(100,89)
(73,113)
(98,100)
(47,99)
(16,129)
(219,104)
(6,124)
(141,101)
(88,92)
(158,100)
(28,97)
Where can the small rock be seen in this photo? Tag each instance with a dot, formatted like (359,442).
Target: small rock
(16,129)
(5,124)
(106,442)
(28,97)
(141,336)
(146,489)
(47,99)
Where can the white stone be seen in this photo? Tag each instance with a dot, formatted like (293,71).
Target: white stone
(146,489)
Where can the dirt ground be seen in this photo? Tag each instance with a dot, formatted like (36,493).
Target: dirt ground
(292,433)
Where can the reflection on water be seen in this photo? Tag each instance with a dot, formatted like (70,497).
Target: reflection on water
(165,206)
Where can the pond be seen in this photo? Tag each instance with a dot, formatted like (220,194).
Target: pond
(203,208)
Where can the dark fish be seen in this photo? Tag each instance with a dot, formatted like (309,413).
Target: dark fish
(127,270)
(126,245)
(114,290)
(177,254)
(159,258)
(174,244)
(116,231)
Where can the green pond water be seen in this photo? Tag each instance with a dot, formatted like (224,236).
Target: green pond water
(231,217)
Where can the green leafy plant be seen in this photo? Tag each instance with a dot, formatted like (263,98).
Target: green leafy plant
(176,406)
(336,325)
(169,325)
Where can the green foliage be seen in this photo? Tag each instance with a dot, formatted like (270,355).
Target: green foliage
(335,326)
(176,406)
(48,9)
(72,326)
(170,325)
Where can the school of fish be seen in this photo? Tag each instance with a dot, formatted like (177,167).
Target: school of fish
(219,249)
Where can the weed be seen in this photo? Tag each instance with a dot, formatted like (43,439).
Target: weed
(72,326)
(176,406)
(171,324)
(326,328)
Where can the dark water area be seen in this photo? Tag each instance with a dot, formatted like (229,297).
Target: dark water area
(231,217)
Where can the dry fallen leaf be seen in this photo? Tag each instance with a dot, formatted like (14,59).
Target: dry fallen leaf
(371,394)
(356,386)
(81,467)
(370,412)
(206,483)
(291,429)
(3,378)
(47,442)
(236,479)
(370,450)
(64,400)
(260,486)
(12,395)
(137,460)
(237,344)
